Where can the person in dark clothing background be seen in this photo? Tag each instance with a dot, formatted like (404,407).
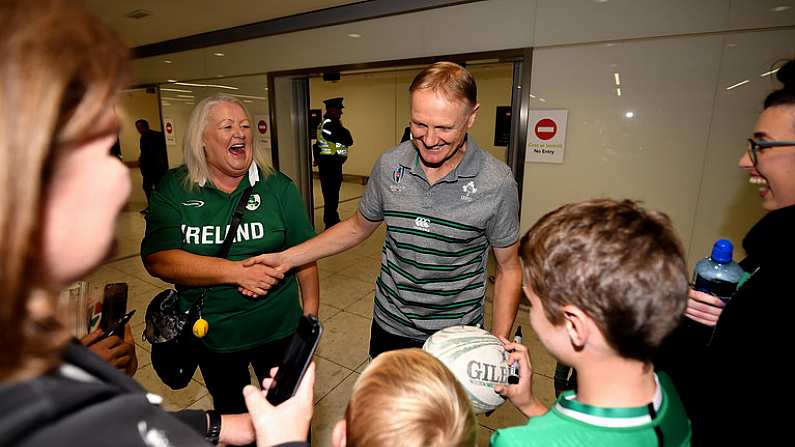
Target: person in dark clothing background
(330,152)
(60,199)
(153,161)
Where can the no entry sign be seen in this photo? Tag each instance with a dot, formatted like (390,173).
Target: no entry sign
(263,135)
(171,137)
(546,129)
(546,136)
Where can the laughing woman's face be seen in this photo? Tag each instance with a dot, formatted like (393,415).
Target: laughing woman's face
(227,142)
(774,172)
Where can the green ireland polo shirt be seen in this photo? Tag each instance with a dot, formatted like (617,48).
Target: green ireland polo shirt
(572,423)
(196,220)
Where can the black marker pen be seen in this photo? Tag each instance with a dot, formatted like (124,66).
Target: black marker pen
(118,327)
(513,377)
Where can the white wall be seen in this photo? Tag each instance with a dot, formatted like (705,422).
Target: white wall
(679,153)
(480,26)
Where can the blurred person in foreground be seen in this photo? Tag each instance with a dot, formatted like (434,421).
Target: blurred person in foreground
(61,71)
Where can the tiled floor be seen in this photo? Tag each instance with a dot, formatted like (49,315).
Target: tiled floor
(346,297)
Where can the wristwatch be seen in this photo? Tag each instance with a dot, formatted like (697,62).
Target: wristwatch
(213,426)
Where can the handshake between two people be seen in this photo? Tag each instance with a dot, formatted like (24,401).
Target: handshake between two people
(261,273)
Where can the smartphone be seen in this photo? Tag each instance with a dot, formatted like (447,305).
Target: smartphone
(114,304)
(296,360)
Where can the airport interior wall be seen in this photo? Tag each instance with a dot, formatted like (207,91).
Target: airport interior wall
(676,59)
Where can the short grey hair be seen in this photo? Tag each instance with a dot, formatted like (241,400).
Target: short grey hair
(193,146)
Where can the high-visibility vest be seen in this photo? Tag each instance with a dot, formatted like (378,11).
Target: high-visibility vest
(329,147)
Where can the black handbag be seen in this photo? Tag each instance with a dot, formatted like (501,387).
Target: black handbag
(175,350)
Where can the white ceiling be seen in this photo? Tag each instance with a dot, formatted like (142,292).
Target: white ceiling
(171,19)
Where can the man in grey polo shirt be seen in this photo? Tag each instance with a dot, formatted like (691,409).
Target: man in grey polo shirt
(445,201)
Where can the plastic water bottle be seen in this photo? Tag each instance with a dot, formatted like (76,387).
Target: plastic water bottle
(718,274)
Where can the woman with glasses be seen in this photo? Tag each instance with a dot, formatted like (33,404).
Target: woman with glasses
(717,371)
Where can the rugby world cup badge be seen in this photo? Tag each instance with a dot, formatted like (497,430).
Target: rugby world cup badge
(397,176)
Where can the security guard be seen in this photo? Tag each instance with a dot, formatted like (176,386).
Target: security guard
(331,151)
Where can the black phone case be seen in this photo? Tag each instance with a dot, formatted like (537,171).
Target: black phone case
(114,304)
(296,360)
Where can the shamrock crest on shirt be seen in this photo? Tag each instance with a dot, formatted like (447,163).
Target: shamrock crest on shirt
(469,189)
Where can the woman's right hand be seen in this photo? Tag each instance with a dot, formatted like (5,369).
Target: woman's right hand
(703,308)
(256,279)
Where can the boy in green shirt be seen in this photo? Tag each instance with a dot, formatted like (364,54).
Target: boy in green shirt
(606,281)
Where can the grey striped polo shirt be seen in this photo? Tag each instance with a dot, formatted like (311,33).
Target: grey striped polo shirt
(433,264)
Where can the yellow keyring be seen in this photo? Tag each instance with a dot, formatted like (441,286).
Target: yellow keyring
(200,328)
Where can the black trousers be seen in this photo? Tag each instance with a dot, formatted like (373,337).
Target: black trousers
(149,182)
(382,341)
(225,374)
(330,172)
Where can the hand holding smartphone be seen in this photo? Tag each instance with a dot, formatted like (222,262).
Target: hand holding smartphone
(296,360)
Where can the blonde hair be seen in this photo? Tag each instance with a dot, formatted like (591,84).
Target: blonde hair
(193,147)
(448,78)
(60,70)
(409,398)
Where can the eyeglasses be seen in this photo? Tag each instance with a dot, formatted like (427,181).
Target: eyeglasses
(754,146)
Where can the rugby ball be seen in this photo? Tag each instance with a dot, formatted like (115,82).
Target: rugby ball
(476,358)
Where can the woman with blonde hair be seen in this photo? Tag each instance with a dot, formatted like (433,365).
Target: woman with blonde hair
(188,219)
(60,192)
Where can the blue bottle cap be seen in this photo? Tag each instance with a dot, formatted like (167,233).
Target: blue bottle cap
(722,251)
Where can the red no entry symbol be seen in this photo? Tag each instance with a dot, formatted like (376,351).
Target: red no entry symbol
(546,129)
(169,128)
(262,126)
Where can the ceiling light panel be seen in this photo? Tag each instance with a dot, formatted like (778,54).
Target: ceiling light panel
(737,84)
(193,84)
